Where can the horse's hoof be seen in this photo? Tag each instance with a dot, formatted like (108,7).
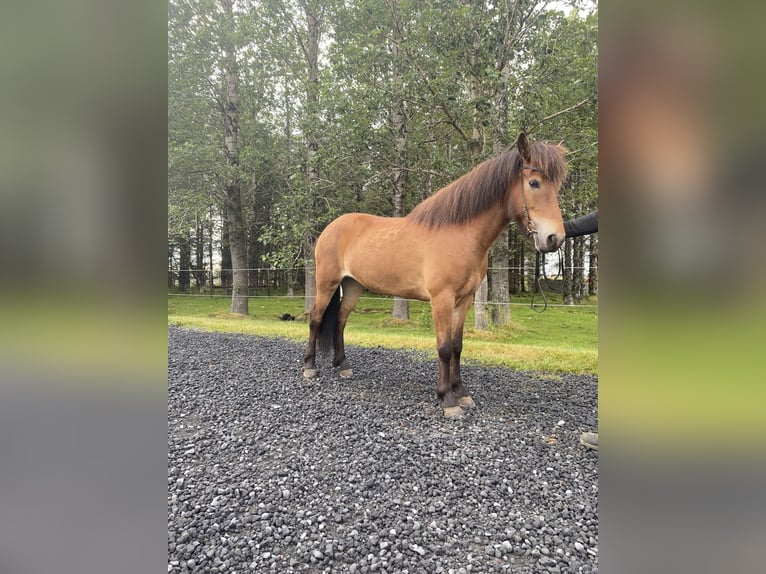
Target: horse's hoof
(309,373)
(453,412)
(466,402)
(346,373)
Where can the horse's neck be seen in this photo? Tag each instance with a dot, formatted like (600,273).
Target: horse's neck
(489,225)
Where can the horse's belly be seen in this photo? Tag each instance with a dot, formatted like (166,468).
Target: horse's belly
(392,282)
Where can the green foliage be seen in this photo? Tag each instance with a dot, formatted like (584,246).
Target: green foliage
(551,84)
(564,74)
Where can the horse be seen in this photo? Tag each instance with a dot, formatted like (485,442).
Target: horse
(437,253)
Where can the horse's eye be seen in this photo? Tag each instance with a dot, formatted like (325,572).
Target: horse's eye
(534,184)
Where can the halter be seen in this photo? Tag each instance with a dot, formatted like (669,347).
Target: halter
(530,227)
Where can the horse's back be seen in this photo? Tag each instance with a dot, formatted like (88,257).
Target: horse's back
(360,233)
(349,222)
(381,253)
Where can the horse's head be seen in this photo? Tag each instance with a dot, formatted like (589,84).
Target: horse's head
(541,171)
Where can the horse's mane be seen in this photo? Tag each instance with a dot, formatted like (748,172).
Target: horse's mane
(485,185)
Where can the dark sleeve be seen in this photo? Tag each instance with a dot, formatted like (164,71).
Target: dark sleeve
(584,225)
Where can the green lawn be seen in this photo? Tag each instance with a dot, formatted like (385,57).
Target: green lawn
(561,339)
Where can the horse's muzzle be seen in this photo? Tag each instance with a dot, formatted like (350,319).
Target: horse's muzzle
(549,242)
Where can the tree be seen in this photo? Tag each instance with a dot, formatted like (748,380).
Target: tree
(502,26)
(298,54)
(398,127)
(193,129)
(366,106)
(203,124)
(482,319)
(232,180)
(565,63)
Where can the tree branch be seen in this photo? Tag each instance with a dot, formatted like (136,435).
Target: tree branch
(576,151)
(564,111)
(297,33)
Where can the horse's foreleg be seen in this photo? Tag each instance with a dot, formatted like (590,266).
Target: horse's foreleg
(352,290)
(441,310)
(458,321)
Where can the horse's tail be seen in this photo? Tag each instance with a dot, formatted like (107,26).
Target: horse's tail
(329,324)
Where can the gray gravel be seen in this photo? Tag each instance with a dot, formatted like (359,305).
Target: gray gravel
(270,473)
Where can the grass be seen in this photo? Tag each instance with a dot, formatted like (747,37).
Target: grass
(560,340)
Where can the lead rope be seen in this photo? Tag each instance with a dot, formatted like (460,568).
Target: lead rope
(539,289)
(538,283)
(560,275)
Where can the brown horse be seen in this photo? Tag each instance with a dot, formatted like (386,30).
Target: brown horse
(437,253)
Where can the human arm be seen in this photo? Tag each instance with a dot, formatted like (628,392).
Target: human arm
(584,225)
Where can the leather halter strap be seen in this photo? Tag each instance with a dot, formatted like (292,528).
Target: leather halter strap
(530,227)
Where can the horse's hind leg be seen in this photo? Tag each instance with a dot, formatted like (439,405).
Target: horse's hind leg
(321,302)
(352,290)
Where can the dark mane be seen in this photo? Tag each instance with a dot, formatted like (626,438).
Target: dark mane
(485,185)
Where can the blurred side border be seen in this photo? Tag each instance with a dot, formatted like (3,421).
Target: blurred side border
(83,138)
(682,204)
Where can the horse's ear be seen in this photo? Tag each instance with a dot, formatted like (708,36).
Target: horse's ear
(522,143)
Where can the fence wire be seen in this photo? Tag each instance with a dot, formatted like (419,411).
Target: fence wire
(201,279)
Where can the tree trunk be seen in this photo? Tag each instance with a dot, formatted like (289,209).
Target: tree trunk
(578,264)
(566,287)
(211,279)
(226,264)
(237,237)
(401,309)
(398,126)
(475,145)
(526,266)
(499,280)
(185,263)
(288,135)
(239,291)
(499,287)
(253,229)
(311,142)
(253,254)
(480,314)
(199,252)
(516,274)
(171,273)
(290,278)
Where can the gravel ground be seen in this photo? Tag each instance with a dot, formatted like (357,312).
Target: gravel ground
(270,473)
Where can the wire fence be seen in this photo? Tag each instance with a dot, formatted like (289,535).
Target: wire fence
(362,298)
(272,282)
